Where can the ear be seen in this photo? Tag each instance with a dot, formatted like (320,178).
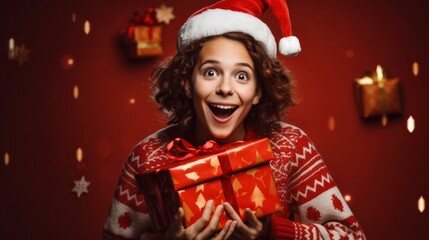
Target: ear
(257,96)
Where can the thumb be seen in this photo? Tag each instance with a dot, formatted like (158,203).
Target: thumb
(252,221)
(176,224)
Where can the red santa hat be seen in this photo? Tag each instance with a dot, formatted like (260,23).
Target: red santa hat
(242,16)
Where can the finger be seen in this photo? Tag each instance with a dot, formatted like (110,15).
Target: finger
(253,226)
(231,212)
(241,226)
(176,224)
(224,231)
(231,229)
(227,230)
(214,222)
(252,221)
(202,222)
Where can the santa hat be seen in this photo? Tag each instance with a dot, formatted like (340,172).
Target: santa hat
(242,16)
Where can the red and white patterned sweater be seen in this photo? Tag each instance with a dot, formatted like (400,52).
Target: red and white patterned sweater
(303,181)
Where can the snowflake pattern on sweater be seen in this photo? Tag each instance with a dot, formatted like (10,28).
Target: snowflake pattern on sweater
(303,182)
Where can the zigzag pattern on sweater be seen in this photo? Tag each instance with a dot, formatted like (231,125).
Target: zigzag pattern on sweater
(311,188)
(129,197)
(309,149)
(135,158)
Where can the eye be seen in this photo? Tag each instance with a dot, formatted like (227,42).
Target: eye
(210,73)
(242,76)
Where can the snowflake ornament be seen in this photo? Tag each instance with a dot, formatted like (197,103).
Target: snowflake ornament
(81,186)
(164,14)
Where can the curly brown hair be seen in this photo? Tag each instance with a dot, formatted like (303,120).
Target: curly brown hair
(170,81)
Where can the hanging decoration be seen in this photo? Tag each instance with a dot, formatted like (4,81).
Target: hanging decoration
(164,14)
(378,96)
(81,186)
(18,53)
(142,37)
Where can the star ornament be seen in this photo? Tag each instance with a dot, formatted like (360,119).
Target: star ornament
(164,14)
(81,186)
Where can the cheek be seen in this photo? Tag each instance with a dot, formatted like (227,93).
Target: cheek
(248,96)
(201,89)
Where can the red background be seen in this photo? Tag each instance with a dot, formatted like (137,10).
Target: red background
(384,169)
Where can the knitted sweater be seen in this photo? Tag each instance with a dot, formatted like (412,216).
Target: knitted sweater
(305,186)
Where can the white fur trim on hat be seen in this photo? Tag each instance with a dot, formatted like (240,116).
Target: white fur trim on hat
(218,21)
(289,46)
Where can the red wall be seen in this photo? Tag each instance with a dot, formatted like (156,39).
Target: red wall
(384,169)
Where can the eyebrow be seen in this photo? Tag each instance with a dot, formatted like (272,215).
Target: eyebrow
(210,61)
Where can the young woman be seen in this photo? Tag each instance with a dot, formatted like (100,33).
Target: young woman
(226,88)
(225,84)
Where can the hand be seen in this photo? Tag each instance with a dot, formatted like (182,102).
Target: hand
(253,229)
(203,228)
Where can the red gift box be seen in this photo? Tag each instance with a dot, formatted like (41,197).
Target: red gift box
(237,173)
(378,96)
(142,38)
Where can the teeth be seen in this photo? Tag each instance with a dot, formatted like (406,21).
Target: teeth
(223,107)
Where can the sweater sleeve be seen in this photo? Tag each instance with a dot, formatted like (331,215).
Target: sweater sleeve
(323,212)
(128,216)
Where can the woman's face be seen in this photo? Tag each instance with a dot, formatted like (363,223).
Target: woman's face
(224,88)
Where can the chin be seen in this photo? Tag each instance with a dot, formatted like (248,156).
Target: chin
(221,134)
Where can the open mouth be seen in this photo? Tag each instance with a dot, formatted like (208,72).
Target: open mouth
(222,111)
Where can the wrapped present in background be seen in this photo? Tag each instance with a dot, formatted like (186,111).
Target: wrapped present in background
(377,96)
(237,173)
(143,35)
(148,40)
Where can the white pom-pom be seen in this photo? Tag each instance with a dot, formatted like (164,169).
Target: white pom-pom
(289,46)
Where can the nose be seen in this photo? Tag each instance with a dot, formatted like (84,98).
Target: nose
(224,88)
